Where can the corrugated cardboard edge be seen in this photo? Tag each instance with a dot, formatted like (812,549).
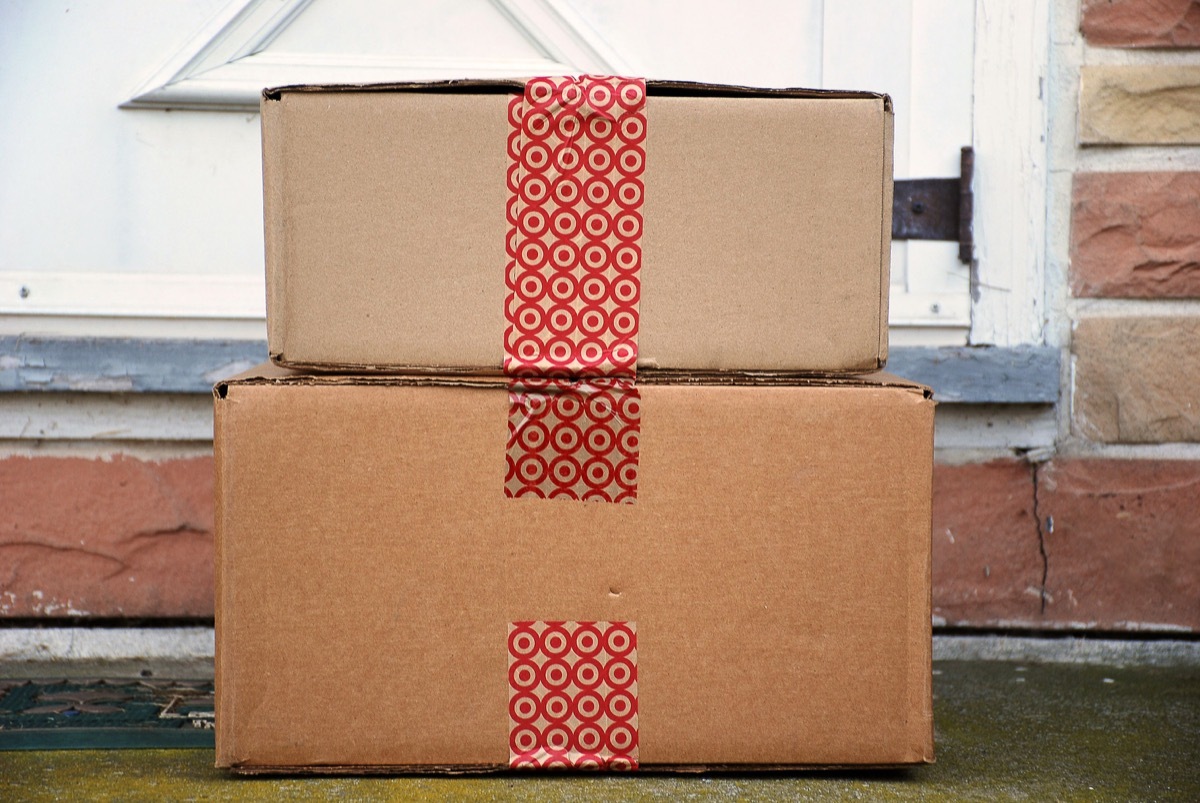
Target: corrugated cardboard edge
(866,367)
(226,753)
(496,769)
(693,88)
(885,230)
(274,226)
(269,373)
(920,615)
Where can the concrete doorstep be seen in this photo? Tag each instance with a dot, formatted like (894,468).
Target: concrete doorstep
(115,652)
(187,652)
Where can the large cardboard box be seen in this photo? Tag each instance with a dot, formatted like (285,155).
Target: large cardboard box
(764,231)
(384,602)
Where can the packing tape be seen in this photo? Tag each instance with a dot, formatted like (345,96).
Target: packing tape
(576,157)
(572,695)
(573,439)
(577,153)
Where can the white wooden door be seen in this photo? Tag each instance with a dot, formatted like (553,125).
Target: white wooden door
(177,240)
(918,51)
(921,53)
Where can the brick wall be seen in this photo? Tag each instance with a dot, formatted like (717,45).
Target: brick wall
(1104,533)
(1110,544)
(117,536)
(1125,547)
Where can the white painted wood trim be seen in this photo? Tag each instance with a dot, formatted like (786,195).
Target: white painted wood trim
(113,416)
(564,35)
(188,418)
(147,295)
(232,32)
(238,86)
(226,66)
(196,296)
(1012,44)
(929,309)
(926,337)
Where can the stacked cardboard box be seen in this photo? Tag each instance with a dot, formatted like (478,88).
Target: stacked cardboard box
(574,457)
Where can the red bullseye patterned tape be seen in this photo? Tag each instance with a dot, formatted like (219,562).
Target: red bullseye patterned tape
(572,695)
(576,151)
(573,440)
(576,155)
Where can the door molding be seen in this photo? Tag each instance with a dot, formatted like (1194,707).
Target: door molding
(227,64)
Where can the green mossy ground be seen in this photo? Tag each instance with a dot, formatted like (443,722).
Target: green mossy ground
(1004,732)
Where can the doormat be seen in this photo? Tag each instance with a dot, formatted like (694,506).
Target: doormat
(97,714)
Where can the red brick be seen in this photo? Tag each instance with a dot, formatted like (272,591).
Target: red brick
(1123,541)
(133,538)
(106,538)
(1141,23)
(987,566)
(1136,235)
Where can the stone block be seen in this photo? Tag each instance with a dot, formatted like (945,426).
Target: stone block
(987,564)
(1141,23)
(1145,104)
(1137,380)
(106,538)
(1136,235)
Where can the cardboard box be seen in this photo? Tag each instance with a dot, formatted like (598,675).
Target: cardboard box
(376,586)
(765,234)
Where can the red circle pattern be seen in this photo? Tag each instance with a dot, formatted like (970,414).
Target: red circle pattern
(573,440)
(593,725)
(576,152)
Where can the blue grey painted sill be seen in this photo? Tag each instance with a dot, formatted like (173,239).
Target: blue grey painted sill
(1020,375)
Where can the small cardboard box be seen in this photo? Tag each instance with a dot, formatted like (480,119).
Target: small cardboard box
(764,232)
(384,602)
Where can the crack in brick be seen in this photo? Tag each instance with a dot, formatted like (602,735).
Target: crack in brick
(1041,534)
(25,543)
(1166,268)
(21,543)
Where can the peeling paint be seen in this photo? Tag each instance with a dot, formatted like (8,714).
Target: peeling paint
(229,369)
(1034,470)
(113,365)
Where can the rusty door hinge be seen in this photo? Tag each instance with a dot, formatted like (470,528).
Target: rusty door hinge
(937,208)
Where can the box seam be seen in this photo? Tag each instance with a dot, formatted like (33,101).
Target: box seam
(654,87)
(875,380)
